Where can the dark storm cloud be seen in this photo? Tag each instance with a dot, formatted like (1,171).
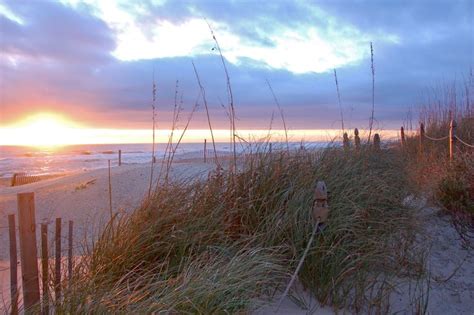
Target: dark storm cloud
(64,62)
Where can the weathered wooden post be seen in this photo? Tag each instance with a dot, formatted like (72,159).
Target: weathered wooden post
(452,139)
(44,267)
(69,253)
(270,149)
(320,205)
(422,137)
(13,265)
(356,139)
(377,142)
(320,214)
(402,135)
(205,150)
(28,253)
(345,141)
(57,263)
(120,157)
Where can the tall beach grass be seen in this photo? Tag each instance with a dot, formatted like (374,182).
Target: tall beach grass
(229,243)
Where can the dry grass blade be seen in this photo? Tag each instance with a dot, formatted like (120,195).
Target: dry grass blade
(203,94)
(281,114)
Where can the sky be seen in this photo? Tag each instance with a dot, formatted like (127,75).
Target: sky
(93,62)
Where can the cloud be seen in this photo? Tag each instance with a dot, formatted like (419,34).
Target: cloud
(52,32)
(297,37)
(66,57)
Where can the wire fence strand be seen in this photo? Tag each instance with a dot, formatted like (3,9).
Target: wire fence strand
(465,143)
(447,137)
(436,139)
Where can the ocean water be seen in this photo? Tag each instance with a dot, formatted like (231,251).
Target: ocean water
(42,161)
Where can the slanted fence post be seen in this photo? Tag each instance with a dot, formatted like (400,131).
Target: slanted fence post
(422,136)
(320,213)
(13,265)
(28,253)
(452,139)
(402,135)
(57,263)
(356,139)
(44,267)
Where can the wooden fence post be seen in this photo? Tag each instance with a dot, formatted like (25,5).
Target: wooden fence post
(57,263)
(377,142)
(320,213)
(402,135)
(13,180)
(110,193)
(356,139)
(13,265)
(320,205)
(120,157)
(44,267)
(422,136)
(452,139)
(345,141)
(205,150)
(69,253)
(28,253)
(270,149)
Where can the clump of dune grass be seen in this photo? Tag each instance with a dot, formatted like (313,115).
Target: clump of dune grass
(448,183)
(229,243)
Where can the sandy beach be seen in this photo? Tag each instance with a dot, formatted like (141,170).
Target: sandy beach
(84,197)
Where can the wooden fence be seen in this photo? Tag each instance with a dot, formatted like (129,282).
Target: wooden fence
(453,140)
(23,179)
(32,300)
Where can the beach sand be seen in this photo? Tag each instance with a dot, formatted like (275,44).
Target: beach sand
(83,197)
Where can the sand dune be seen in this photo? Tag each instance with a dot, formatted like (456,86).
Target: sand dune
(83,198)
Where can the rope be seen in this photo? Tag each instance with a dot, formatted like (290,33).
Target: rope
(436,139)
(293,278)
(466,144)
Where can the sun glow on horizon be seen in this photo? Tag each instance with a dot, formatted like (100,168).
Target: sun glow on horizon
(52,131)
(41,130)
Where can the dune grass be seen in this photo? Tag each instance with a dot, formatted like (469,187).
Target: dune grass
(229,243)
(449,184)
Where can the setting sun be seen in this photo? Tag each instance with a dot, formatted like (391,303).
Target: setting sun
(44,129)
